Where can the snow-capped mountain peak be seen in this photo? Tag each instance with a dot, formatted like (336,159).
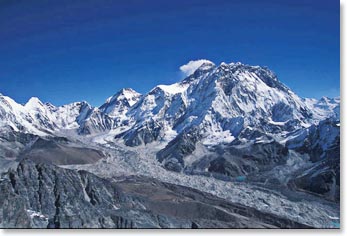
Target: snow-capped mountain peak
(120,102)
(126,93)
(206,66)
(34,103)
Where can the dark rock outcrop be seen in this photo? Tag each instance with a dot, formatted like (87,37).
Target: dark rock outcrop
(172,156)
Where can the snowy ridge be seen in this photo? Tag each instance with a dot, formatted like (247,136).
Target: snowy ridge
(324,107)
(221,100)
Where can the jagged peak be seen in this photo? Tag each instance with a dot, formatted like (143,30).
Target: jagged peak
(78,104)
(205,65)
(124,93)
(236,70)
(263,72)
(235,63)
(201,70)
(328,100)
(238,65)
(127,90)
(120,101)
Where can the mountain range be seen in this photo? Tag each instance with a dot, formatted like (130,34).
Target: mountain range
(229,134)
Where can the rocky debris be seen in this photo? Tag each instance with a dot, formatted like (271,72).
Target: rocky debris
(12,143)
(61,151)
(46,196)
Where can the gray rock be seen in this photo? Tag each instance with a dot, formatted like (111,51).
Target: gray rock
(60,151)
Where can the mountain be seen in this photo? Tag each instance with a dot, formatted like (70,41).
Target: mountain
(221,101)
(227,123)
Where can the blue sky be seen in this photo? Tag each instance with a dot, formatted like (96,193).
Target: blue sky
(65,51)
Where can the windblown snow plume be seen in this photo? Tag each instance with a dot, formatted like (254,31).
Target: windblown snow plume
(191,66)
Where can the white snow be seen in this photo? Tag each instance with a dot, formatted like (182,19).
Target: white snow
(174,88)
(33,103)
(219,138)
(34,214)
(334,218)
(323,108)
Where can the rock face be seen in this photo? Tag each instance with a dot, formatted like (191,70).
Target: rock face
(45,196)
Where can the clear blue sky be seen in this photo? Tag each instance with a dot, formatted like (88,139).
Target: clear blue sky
(64,51)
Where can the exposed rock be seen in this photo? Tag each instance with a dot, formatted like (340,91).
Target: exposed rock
(173,154)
